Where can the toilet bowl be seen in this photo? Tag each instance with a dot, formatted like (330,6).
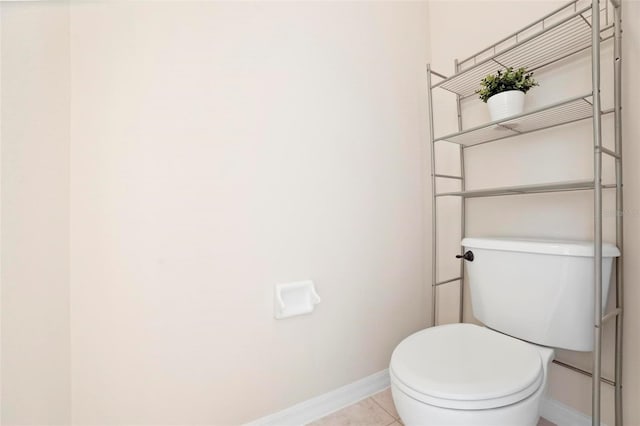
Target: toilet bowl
(464,374)
(533,295)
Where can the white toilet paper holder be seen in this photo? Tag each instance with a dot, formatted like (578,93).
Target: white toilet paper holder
(296,298)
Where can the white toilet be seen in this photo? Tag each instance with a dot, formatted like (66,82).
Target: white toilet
(532,296)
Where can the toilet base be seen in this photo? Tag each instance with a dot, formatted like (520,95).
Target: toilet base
(417,413)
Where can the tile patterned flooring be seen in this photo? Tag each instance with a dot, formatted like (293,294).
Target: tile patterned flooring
(377,410)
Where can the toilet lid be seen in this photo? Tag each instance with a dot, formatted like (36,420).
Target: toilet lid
(465,366)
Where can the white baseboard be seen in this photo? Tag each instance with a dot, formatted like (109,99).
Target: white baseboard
(563,415)
(318,407)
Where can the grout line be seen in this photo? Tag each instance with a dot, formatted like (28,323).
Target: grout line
(371,397)
(385,410)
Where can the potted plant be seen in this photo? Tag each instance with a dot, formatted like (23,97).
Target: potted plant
(504,91)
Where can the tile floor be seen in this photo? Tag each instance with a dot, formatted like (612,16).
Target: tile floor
(377,410)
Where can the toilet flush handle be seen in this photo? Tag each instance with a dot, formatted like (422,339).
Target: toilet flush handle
(467,256)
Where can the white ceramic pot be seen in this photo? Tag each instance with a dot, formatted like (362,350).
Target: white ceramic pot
(506,104)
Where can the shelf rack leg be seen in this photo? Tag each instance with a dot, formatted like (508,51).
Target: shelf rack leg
(617,110)
(434,227)
(463,202)
(597,201)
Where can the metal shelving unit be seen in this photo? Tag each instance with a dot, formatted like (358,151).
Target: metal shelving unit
(575,27)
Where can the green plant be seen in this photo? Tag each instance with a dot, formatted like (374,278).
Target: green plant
(509,79)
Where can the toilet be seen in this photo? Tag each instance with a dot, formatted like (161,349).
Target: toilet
(532,296)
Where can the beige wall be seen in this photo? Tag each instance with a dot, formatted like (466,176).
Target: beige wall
(218,149)
(35,213)
(631,134)
(459,29)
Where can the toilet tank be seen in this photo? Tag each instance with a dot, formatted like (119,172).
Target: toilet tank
(541,291)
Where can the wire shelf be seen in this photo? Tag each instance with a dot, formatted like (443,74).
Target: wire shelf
(568,111)
(526,189)
(557,36)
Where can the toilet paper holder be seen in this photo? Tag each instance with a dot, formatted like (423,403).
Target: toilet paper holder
(297,298)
